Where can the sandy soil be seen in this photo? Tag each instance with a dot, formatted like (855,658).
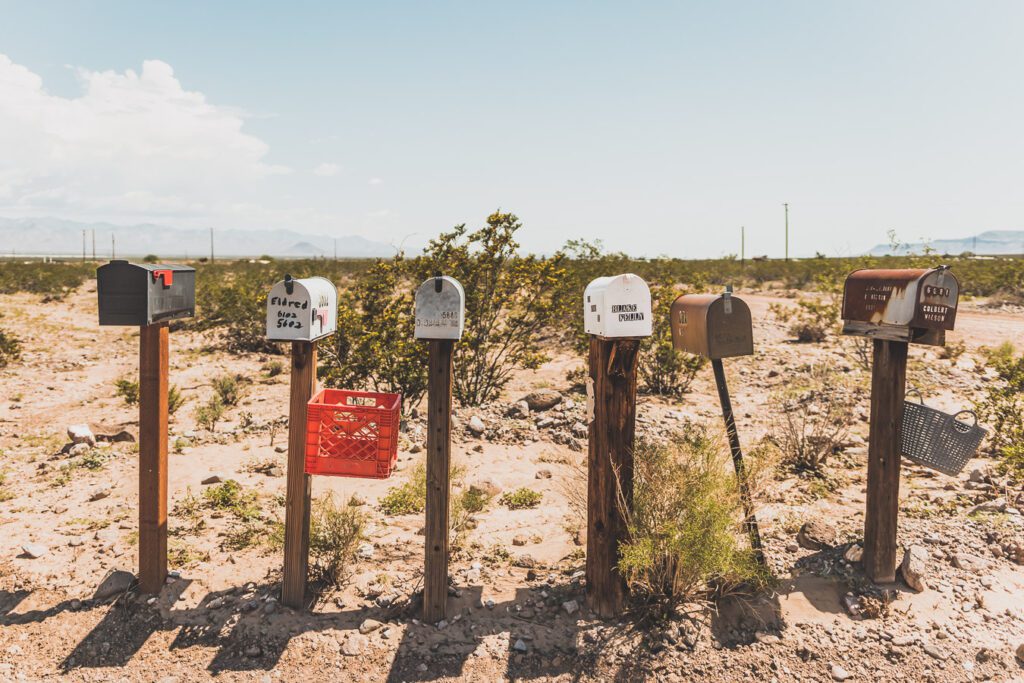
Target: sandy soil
(218,616)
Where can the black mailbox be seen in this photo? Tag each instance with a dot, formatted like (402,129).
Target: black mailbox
(143,293)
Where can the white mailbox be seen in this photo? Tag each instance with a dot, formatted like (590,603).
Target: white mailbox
(618,306)
(302,310)
(440,309)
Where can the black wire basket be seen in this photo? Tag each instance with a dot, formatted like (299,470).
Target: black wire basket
(939,440)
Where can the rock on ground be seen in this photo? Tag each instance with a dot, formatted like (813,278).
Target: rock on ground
(915,567)
(542,399)
(116,581)
(816,535)
(81,434)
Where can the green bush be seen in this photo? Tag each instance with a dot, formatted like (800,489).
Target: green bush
(10,348)
(408,497)
(273,368)
(175,400)
(209,414)
(55,279)
(229,389)
(334,536)
(684,524)
(521,499)
(230,497)
(1002,407)
(812,320)
(128,389)
(662,370)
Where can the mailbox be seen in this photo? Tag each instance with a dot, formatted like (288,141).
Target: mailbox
(302,309)
(144,293)
(440,309)
(618,306)
(909,305)
(712,325)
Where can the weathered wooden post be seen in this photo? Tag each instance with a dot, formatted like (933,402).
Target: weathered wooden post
(149,296)
(718,327)
(895,308)
(440,313)
(617,314)
(302,312)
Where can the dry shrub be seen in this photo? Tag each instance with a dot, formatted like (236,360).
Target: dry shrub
(816,412)
(686,540)
(335,532)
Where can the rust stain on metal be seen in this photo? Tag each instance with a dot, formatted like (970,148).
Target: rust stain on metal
(904,305)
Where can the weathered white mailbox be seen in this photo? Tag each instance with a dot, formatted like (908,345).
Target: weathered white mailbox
(618,306)
(302,310)
(440,309)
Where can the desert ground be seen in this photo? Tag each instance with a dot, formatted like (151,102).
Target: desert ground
(517,605)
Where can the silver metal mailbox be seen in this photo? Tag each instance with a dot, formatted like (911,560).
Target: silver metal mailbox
(440,309)
(144,293)
(303,309)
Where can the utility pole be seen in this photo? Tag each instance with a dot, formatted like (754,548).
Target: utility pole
(113,247)
(335,249)
(786,205)
(743,245)
(94,244)
(211,245)
(83,245)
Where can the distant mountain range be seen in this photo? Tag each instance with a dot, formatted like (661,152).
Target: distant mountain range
(989,243)
(57,237)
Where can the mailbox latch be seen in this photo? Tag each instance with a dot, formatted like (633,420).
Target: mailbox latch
(166,275)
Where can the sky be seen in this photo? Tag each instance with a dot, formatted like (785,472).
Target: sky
(655,127)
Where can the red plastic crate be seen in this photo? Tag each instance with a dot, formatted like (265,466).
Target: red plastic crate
(352,433)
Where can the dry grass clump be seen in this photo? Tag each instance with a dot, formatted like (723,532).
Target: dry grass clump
(335,532)
(816,411)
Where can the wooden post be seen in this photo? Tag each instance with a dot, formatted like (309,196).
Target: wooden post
(750,520)
(888,383)
(299,486)
(613,365)
(153,351)
(439,431)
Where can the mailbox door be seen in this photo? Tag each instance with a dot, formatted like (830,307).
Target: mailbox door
(440,314)
(627,308)
(323,308)
(171,292)
(288,314)
(689,323)
(122,290)
(593,306)
(730,330)
(937,295)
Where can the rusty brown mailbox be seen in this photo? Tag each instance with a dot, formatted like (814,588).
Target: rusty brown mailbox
(910,305)
(712,325)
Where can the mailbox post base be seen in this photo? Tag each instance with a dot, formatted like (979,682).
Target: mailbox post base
(299,486)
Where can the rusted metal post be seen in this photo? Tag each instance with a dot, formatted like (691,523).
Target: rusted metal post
(299,486)
(153,352)
(750,520)
(888,384)
(612,400)
(439,428)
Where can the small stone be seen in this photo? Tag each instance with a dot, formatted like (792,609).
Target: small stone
(542,399)
(99,494)
(816,535)
(369,626)
(487,487)
(520,540)
(365,551)
(354,645)
(116,582)
(520,646)
(570,607)
(79,449)
(476,425)
(855,553)
(253,651)
(213,479)
(441,625)
(915,567)
(543,474)
(81,434)
(968,562)
(935,652)
(280,449)
(839,673)
(34,550)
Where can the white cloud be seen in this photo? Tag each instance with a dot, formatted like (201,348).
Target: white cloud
(326,169)
(376,181)
(132,145)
